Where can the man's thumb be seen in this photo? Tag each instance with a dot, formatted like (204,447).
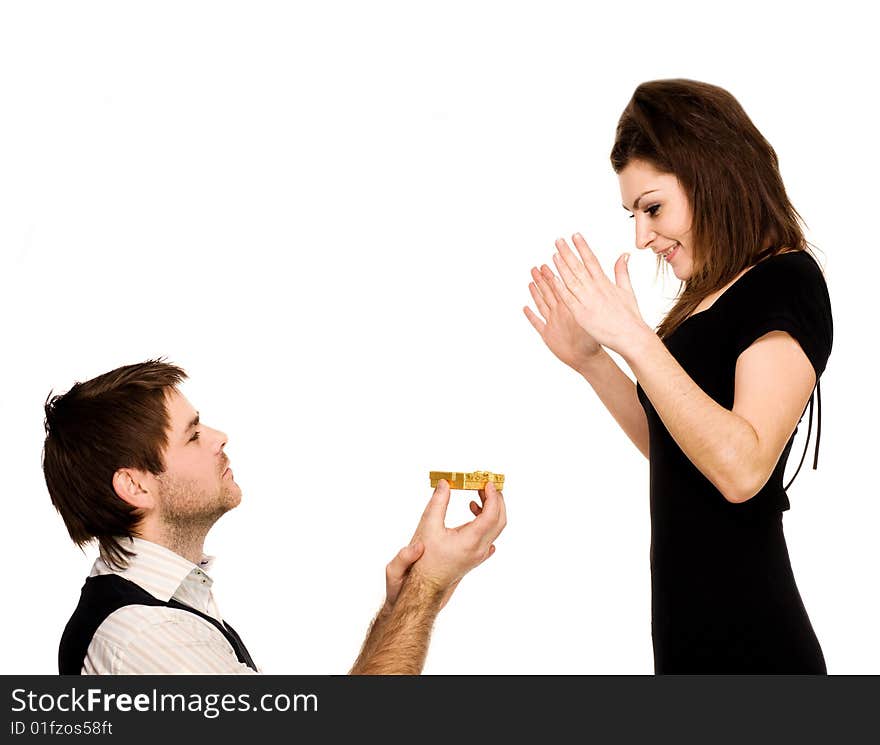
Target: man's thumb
(436,509)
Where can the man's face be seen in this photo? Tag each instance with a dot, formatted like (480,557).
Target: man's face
(197,485)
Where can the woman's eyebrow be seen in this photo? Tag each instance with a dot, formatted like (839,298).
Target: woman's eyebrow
(638,198)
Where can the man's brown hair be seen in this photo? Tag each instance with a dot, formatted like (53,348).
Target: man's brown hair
(741,212)
(117,420)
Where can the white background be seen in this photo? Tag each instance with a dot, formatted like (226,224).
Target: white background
(327,213)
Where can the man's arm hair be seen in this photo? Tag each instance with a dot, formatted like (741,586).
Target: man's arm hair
(397,642)
(371,640)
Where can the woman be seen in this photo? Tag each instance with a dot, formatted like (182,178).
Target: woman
(722,383)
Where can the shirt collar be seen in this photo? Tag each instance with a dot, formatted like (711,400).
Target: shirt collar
(155,568)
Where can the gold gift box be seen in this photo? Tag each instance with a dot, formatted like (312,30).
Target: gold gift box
(473,480)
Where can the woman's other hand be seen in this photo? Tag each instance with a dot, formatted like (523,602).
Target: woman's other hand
(560,331)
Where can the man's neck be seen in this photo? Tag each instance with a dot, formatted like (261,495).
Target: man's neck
(187,542)
(190,550)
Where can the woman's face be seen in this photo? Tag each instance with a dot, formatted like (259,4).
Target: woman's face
(662,213)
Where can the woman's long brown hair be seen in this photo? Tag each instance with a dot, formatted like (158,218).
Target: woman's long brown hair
(742,215)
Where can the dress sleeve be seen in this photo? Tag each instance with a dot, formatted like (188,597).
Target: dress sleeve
(790,295)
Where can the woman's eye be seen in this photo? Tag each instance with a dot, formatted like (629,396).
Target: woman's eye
(652,211)
(194,437)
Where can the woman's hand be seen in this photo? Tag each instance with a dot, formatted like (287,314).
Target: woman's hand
(557,326)
(605,310)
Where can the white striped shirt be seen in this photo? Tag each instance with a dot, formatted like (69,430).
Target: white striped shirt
(155,640)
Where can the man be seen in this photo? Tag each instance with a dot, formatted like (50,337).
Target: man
(129,463)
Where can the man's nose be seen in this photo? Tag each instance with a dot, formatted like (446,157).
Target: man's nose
(220,439)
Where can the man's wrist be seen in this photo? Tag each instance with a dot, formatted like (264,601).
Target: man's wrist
(384,611)
(428,589)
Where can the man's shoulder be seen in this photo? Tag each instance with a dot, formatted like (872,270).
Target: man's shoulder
(139,639)
(135,621)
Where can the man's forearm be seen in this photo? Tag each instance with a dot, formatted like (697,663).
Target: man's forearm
(371,640)
(397,642)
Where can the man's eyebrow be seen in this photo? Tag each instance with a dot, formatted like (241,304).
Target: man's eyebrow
(193,423)
(638,199)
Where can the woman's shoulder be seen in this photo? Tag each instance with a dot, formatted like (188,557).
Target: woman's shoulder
(795,271)
(787,292)
(789,283)
(797,261)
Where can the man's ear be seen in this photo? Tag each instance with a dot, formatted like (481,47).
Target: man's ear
(135,487)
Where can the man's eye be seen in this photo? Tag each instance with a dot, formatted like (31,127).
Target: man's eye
(195,436)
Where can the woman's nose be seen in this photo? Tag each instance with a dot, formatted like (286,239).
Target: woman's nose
(644,235)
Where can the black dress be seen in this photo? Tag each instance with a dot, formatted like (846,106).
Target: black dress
(724,599)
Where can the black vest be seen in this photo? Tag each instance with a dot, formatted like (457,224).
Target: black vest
(106,593)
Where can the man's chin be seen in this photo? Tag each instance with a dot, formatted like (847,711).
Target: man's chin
(232,496)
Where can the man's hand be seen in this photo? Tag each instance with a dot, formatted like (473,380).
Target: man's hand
(398,568)
(422,577)
(450,553)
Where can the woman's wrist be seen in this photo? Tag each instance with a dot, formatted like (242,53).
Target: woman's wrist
(640,345)
(589,365)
